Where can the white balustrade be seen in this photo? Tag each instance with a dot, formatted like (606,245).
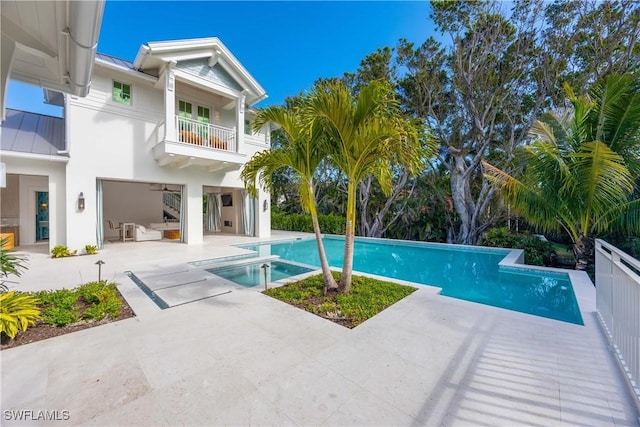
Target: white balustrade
(205,134)
(618,305)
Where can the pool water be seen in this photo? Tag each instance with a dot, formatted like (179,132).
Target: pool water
(462,272)
(250,275)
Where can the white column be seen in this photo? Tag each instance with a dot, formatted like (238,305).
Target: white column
(57,208)
(170,102)
(193,216)
(240,122)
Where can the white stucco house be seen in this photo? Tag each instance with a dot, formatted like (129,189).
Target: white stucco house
(158,142)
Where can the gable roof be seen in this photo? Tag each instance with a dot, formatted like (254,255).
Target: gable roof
(154,55)
(32,133)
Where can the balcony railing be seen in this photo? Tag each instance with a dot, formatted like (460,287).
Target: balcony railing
(618,304)
(205,134)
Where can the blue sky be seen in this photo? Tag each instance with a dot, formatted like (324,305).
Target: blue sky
(285,45)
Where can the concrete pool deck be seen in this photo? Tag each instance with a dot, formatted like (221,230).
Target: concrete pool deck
(245,359)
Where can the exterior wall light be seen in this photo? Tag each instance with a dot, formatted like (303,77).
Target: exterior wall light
(265,206)
(81,201)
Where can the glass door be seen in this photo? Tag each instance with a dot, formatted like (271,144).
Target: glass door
(203,119)
(42,215)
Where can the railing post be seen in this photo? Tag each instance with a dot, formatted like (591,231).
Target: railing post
(169,102)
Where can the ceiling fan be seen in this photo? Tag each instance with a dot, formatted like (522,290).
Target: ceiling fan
(163,188)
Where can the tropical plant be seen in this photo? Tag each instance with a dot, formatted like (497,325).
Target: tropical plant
(10,263)
(365,135)
(61,251)
(18,311)
(536,250)
(90,249)
(578,171)
(301,151)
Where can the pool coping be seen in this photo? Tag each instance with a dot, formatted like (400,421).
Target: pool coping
(581,284)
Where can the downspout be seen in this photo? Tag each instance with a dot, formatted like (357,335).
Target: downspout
(85,19)
(65,112)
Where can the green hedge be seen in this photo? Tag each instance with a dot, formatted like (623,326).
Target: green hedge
(329,224)
(536,251)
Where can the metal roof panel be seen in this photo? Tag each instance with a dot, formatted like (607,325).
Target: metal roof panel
(33,133)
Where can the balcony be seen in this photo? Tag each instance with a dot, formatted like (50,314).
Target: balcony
(206,135)
(198,144)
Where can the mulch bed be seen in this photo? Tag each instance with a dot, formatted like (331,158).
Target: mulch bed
(42,331)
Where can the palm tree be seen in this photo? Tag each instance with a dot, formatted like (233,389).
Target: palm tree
(579,170)
(365,136)
(301,152)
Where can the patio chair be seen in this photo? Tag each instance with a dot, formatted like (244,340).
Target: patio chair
(112,227)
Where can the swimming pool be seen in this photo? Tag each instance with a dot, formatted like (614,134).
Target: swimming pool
(463,272)
(250,275)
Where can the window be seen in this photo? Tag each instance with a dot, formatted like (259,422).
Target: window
(184,109)
(203,114)
(122,93)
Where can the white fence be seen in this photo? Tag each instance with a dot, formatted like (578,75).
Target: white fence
(618,304)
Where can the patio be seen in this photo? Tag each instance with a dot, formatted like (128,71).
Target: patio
(243,358)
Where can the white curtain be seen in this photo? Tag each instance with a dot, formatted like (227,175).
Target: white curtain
(214,212)
(183,211)
(99,216)
(248,206)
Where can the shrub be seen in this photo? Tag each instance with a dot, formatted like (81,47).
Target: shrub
(104,298)
(60,316)
(63,298)
(90,249)
(18,311)
(60,251)
(109,307)
(536,251)
(499,237)
(329,224)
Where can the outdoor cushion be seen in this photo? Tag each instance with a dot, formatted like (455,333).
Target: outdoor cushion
(142,234)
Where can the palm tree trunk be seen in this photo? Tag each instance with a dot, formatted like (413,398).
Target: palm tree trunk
(583,250)
(349,235)
(329,281)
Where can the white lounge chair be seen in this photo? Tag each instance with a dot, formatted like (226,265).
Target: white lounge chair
(142,234)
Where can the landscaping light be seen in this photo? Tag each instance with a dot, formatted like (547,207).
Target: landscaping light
(100,263)
(81,201)
(264,267)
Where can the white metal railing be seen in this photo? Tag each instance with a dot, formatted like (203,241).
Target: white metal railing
(205,134)
(618,305)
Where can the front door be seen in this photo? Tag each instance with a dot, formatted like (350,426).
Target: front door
(42,215)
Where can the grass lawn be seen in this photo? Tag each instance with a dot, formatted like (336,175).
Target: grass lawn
(367,298)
